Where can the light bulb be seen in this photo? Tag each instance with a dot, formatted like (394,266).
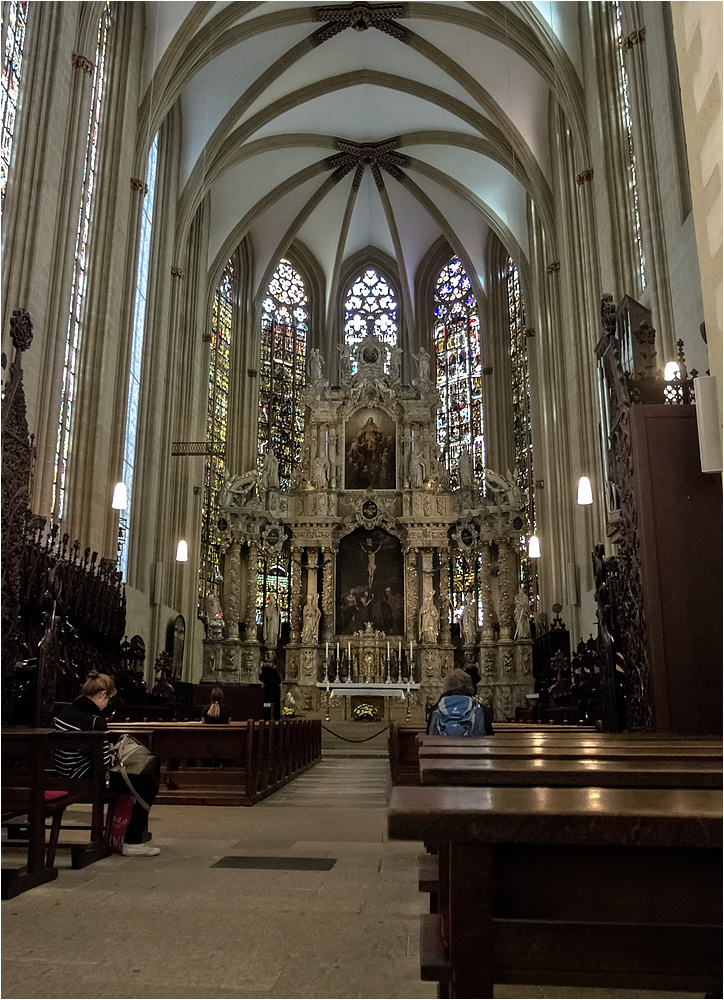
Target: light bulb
(585,493)
(533,547)
(182,551)
(120,497)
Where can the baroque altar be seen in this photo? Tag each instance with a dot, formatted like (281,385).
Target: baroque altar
(365,536)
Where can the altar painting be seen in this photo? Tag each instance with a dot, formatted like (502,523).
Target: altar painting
(369,451)
(369,583)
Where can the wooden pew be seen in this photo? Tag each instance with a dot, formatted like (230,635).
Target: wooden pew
(404,740)
(235,764)
(583,887)
(32,791)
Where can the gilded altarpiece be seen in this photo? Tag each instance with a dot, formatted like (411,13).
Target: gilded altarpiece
(368,528)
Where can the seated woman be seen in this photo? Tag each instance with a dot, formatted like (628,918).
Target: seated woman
(86,713)
(216,713)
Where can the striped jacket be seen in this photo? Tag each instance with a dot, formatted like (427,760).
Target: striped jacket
(82,715)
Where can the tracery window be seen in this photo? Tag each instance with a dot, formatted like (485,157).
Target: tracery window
(217,416)
(79,280)
(139,324)
(16,19)
(284,328)
(370,307)
(522,433)
(460,414)
(459,369)
(626,110)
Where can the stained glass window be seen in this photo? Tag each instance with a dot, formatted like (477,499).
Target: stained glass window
(522,434)
(15,16)
(139,322)
(459,371)
(281,371)
(284,328)
(370,307)
(626,108)
(83,232)
(217,416)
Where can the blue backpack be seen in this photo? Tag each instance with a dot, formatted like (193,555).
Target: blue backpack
(457,715)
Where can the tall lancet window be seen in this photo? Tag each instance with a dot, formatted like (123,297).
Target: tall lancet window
(139,325)
(284,328)
(217,418)
(459,369)
(281,373)
(626,112)
(370,306)
(79,280)
(522,433)
(460,415)
(16,15)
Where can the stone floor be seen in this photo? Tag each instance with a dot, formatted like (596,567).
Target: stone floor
(175,926)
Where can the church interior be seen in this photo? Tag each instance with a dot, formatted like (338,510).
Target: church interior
(347,346)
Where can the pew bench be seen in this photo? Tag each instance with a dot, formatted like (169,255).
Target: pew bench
(33,792)
(239,763)
(582,887)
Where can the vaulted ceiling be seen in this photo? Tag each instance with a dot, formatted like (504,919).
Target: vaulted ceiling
(346,127)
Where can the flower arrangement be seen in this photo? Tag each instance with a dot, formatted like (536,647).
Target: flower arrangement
(287,711)
(365,712)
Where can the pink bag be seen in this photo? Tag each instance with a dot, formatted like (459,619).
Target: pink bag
(122,809)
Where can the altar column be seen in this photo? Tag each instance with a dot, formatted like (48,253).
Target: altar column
(327,594)
(505,590)
(487,598)
(232,589)
(411,595)
(295,611)
(445,602)
(251,589)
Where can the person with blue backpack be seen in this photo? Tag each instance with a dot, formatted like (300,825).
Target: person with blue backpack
(457,711)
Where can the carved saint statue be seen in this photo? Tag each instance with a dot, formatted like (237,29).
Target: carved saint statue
(213,611)
(395,361)
(468,623)
(465,468)
(321,472)
(429,620)
(269,478)
(522,615)
(417,468)
(315,365)
(423,365)
(310,622)
(271,622)
(345,363)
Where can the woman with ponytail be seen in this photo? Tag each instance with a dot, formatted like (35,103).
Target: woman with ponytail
(216,713)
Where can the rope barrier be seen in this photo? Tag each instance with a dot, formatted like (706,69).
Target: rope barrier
(365,740)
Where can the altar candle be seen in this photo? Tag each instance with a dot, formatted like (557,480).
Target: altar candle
(388,650)
(399,651)
(337,650)
(348,650)
(326,650)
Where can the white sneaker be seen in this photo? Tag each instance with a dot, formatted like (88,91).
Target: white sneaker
(139,851)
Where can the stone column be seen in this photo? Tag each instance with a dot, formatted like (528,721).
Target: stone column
(232,589)
(327,594)
(445,603)
(295,630)
(251,592)
(411,595)
(506,589)
(485,592)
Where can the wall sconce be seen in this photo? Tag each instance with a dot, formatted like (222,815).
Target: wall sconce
(182,551)
(533,547)
(585,493)
(120,497)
